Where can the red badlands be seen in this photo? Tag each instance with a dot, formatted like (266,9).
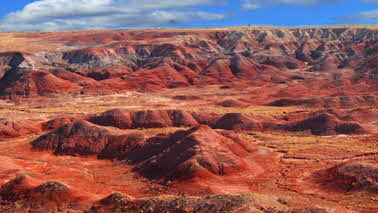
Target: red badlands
(245,119)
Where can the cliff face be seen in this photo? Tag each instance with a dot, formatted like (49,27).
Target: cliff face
(156,59)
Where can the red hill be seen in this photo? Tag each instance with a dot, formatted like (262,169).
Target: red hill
(199,151)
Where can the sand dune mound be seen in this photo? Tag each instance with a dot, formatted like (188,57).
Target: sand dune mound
(237,121)
(184,154)
(325,124)
(351,176)
(13,129)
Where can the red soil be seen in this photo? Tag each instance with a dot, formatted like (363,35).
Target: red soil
(13,129)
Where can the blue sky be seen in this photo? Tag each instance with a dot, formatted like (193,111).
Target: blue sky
(28,15)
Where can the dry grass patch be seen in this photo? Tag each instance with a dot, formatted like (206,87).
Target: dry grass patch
(317,147)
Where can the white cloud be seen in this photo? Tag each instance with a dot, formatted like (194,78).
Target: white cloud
(105,14)
(247,5)
(371,15)
(256,4)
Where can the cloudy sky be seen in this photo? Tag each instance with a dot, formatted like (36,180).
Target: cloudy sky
(51,15)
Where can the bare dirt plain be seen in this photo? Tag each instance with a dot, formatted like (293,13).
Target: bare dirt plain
(248,119)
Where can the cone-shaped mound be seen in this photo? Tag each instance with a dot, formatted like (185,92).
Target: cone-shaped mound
(200,150)
(237,121)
